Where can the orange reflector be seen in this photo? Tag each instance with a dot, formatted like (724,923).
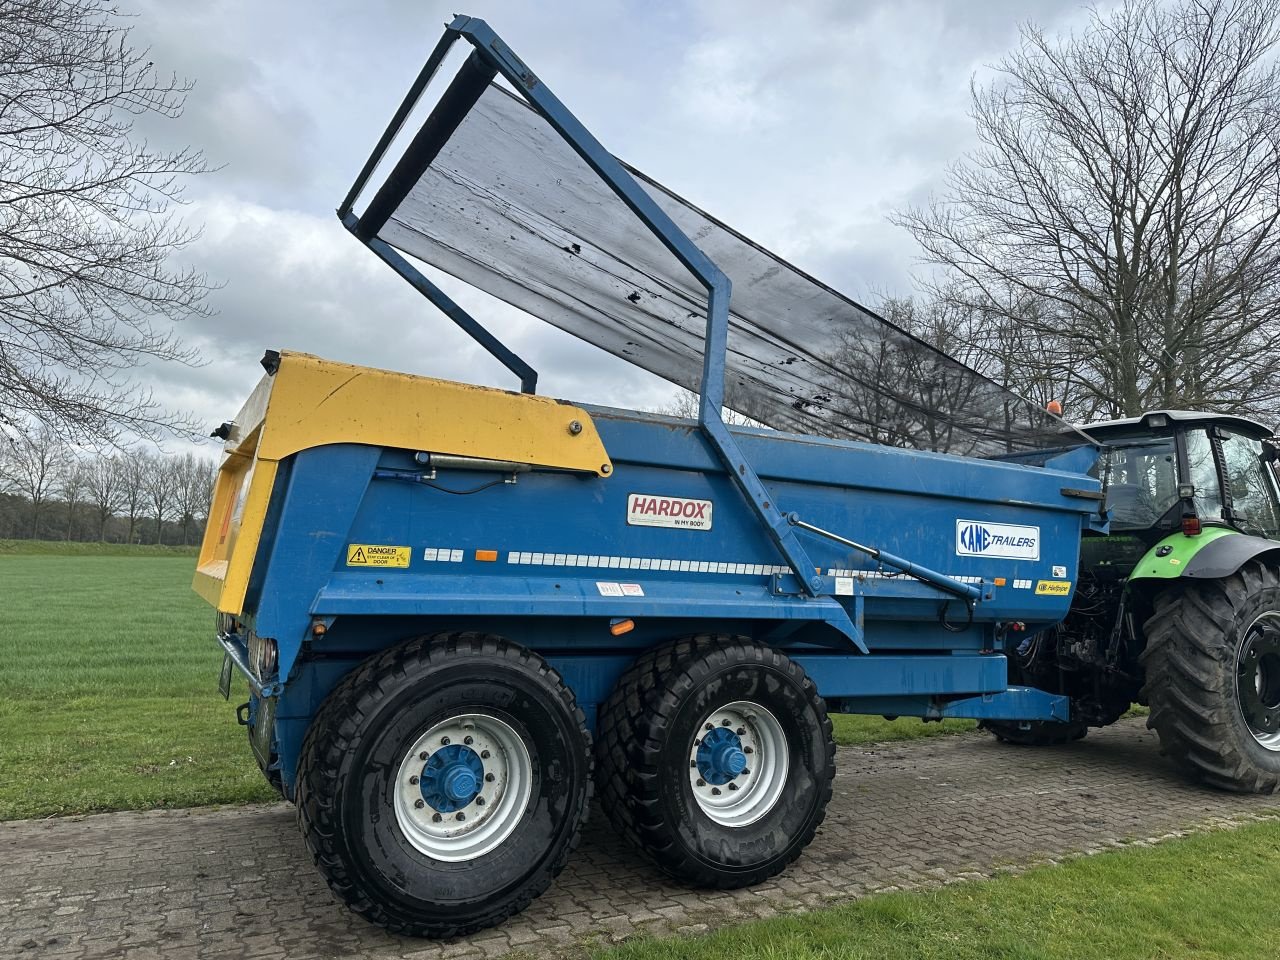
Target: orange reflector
(619,627)
(489,555)
(317,629)
(1000,581)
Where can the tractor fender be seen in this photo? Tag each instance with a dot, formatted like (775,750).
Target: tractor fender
(1224,556)
(1216,553)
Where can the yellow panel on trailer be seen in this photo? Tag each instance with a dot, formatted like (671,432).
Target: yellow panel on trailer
(310,402)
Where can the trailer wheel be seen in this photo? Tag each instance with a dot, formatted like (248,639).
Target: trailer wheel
(444,783)
(1039,733)
(1212,661)
(716,760)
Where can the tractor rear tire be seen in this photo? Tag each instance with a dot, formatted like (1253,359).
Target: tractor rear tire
(716,760)
(443,784)
(1039,733)
(1212,662)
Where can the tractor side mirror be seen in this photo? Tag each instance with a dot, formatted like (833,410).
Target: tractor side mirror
(1270,451)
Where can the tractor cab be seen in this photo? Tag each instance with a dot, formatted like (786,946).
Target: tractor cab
(1177,470)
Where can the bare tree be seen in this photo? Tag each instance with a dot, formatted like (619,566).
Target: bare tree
(161,483)
(207,480)
(194,488)
(105,484)
(33,465)
(1124,207)
(72,487)
(87,227)
(133,487)
(1001,343)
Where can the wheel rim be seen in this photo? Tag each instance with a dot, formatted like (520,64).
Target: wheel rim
(1258,679)
(738,763)
(463,787)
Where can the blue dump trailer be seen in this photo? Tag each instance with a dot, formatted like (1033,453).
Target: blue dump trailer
(462,610)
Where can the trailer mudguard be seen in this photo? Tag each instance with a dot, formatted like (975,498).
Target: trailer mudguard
(1215,553)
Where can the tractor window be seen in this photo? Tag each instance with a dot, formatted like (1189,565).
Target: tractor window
(1204,475)
(1253,497)
(1141,482)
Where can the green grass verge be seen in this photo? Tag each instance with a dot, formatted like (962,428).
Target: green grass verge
(1199,897)
(108,693)
(855,728)
(73,548)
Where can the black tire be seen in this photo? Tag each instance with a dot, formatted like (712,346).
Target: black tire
(1039,733)
(352,760)
(651,723)
(1195,639)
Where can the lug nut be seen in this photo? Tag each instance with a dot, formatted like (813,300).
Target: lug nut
(733,786)
(461,815)
(436,818)
(489,778)
(741,731)
(444,741)
(423,755)
(725,722)
(414,781)
(484,754)
(693,763)
(479,801)
(701,783)
(711,726)
(745,771)
(747,750)
(419,804)
(468,740)
(715,791)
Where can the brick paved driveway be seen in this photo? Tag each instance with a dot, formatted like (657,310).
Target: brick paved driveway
(237,882)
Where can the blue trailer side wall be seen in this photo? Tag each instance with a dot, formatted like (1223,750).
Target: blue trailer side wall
(567,564)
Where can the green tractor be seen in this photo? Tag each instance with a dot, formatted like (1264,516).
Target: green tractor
(1178,607)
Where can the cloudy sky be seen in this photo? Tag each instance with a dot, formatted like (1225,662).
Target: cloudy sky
(802,124)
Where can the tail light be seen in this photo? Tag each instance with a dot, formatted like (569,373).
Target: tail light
(1191,525)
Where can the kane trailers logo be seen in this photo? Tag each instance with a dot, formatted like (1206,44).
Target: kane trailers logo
(650,510)
(976,538)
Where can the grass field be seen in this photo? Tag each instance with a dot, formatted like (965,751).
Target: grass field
(72,548)
(1199,897)
(108,691)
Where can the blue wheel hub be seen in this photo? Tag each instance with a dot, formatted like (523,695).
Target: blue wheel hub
(451,778)
(720,757)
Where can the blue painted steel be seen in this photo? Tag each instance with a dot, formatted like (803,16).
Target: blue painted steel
(451,778)
(720,757)
(544,590)
(924,574)
(1014,703)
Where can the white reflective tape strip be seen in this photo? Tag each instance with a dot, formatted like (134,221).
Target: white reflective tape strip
(535,559)
(450,555)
